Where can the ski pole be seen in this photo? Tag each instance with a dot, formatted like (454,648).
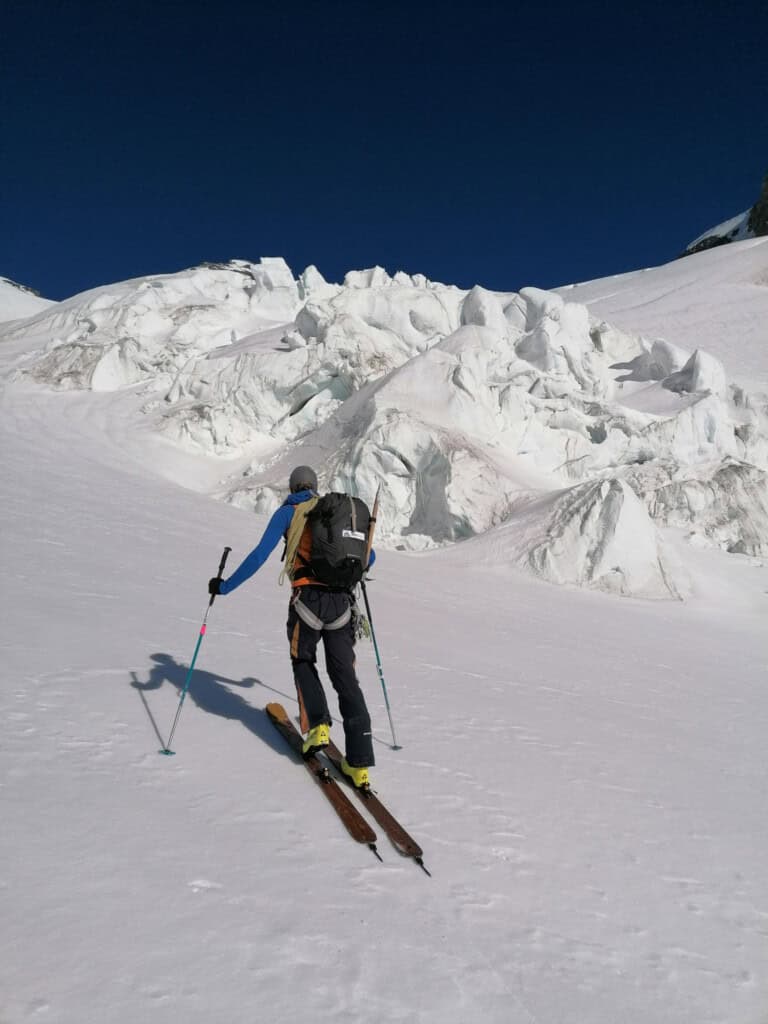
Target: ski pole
(167,748)
(395,745)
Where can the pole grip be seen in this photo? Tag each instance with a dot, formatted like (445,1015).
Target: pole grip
(222,563)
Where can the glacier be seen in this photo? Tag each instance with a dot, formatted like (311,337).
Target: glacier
(537,432)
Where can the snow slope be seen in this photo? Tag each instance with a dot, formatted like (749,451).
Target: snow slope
(18,302)
(586,775)
(584,443)
(715,300)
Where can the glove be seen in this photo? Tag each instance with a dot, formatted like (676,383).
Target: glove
(214,586)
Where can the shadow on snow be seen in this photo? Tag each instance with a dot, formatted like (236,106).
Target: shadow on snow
(211,693)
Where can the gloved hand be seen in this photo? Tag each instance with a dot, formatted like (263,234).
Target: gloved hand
(214,586)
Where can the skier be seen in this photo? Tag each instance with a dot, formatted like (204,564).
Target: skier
(316,611)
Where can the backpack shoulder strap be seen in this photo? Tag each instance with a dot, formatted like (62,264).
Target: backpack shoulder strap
(293,536)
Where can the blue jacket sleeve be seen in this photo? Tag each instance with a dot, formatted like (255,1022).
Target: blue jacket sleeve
(276,527)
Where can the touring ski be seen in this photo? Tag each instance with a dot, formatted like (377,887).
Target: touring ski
(353,820)
(400,839)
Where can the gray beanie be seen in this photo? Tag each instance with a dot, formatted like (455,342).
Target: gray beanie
(303,479)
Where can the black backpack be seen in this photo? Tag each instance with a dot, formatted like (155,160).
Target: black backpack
(340,526)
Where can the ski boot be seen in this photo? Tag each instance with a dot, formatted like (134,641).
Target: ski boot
(317,738)
(357,776)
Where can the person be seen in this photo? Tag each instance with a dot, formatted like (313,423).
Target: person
(315,611)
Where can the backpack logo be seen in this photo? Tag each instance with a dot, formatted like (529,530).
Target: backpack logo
(353,534)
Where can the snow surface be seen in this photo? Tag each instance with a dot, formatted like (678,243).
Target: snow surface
(585,774)
(18,302)
(715,300)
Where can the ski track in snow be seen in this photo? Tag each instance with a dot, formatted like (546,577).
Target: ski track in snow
(586,777)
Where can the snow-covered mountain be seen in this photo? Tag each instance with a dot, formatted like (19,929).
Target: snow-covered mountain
(586,775)
(18,302)
(580,437)
(752,223)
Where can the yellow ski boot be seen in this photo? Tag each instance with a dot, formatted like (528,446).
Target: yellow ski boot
(317,738)
(357,776)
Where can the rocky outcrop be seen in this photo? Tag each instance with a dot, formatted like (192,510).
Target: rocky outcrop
(758,215)
(752,223)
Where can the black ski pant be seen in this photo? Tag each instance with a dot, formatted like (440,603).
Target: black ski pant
(328,606)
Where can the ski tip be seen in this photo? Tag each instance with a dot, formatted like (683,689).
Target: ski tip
(167,752)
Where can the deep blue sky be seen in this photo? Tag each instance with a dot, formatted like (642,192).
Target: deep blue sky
(504,144)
